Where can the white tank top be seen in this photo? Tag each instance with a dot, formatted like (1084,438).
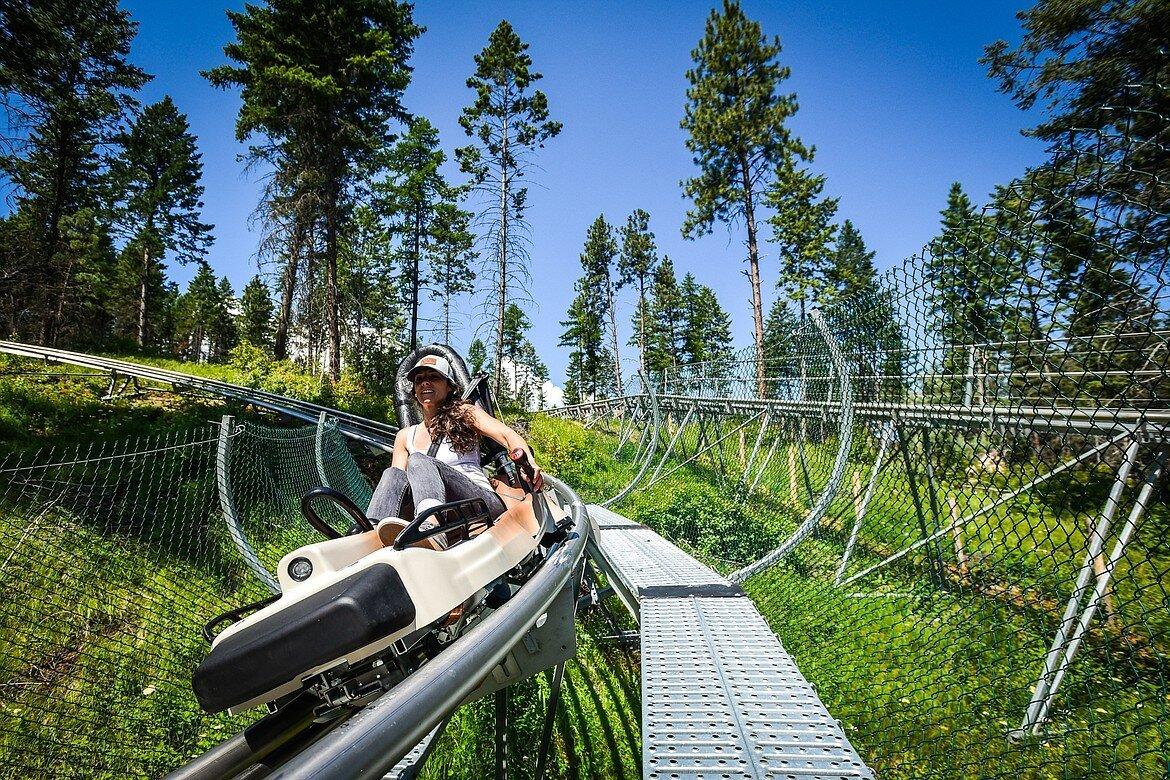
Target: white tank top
(467,462)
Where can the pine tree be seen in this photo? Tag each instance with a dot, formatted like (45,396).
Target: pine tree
(705,334)
(803,227)
(527,369)
(411,196)
(321,83)
(663,340)
(222,326)
(509,120)
(780,349)
(959,269)
(256,309)
(1097,69)
(735,120)
(452,251)
(965,283)
(636,266)
(372,299)
(168,318)
(198,314)
(591,364)
(65,86)
(601,252)
(477,357)
(589,361)
(851,270)
(157,178)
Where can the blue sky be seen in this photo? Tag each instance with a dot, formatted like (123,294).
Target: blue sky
(891,94)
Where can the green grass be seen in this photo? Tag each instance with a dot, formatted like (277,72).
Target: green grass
(596,731)
(929,683)
(98,640)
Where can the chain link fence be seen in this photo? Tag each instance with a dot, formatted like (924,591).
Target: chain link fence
(946,493)
(112,559)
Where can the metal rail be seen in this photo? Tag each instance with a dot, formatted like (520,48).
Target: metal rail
(650,450)
(371,432)
(1101,420)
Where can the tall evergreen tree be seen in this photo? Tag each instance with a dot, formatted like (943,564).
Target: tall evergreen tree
(972,285)
(322,84)
(959,269)
(451,253)
(663,339)
(372,295)
(1098,71)
(588,375)
(527,370)
(157,180)
(735,119)
(198,312)
(411,196)
(636,266)
(803,227)
(222,327)
(851,270)
(590,363)
(66,85)
(705,334)
(256,310)
(780,349)
(509,120)
(599,259)
(477,358)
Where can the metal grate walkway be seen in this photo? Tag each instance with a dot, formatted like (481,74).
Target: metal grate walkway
(720,696)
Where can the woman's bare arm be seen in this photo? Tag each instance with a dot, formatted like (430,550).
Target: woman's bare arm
(497,431)
(400,456)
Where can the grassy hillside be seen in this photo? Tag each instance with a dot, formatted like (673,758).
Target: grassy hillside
(928,682)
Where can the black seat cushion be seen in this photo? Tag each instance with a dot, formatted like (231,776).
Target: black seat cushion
(339,619)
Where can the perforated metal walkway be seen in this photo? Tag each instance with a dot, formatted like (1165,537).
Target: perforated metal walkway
(720,696)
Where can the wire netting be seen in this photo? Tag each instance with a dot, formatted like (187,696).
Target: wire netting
(113,556)
(946,492)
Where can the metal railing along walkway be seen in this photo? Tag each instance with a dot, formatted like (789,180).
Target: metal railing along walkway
(720,696)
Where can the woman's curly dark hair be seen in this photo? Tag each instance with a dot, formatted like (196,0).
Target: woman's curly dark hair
(454,422)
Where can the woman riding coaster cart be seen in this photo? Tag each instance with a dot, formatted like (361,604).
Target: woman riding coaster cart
(437,460)
(357,613)
(347,601)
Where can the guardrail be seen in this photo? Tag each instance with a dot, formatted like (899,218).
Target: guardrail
(367,431)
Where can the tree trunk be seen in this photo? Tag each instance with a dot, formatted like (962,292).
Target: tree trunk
(754,274)
(502,283)
(617,362)
(333,326)
(288,286)
(142,299)
(414,280)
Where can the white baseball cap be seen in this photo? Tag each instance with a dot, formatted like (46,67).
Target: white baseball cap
(435,363)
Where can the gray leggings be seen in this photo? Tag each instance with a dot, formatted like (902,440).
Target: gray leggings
(426,477)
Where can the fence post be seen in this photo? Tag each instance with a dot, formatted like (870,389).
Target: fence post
(319,451)
(957,525)
(969,384)
(1056,657)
